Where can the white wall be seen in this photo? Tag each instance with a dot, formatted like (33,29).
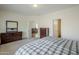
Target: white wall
(69,17)
(70,22)
(25,23)
(22,22)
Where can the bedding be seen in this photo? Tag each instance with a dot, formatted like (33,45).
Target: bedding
(50,46)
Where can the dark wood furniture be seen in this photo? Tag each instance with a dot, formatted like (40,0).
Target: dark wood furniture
(34,31)
(10,37)
(44,32)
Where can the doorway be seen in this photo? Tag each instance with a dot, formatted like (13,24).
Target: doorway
(57,28)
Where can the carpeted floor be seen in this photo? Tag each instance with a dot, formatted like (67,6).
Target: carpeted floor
(10,48)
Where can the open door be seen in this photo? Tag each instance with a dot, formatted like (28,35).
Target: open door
(57,28)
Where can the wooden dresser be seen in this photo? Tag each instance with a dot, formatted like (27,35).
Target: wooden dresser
(44,32)
(10,37)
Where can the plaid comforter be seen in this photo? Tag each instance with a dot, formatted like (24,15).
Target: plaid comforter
(50,46)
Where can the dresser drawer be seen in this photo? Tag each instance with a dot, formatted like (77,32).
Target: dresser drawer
(10,37)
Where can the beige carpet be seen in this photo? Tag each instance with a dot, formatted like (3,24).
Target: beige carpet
(10,48)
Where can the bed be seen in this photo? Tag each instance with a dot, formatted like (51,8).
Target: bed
(50,46)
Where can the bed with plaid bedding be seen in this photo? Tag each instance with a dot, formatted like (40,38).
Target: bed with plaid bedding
(50,46)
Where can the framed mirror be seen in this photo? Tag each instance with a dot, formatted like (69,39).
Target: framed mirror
(11,26)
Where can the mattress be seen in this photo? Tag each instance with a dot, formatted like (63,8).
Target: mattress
(50,46)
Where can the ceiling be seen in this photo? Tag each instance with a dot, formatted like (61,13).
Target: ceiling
(29,10)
